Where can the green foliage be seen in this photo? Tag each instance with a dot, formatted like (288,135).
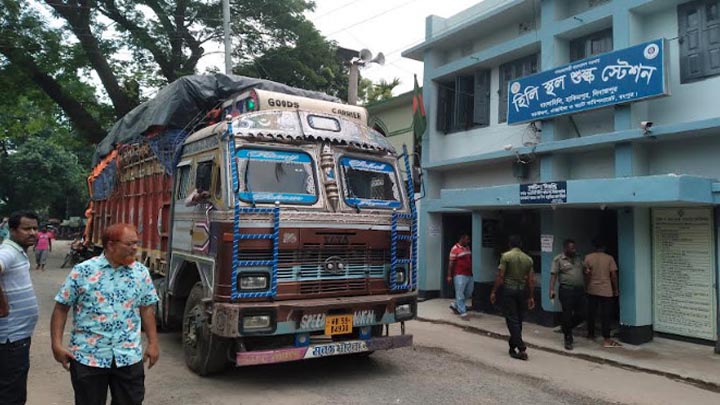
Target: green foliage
(380,91)
(43,176)
(70,68)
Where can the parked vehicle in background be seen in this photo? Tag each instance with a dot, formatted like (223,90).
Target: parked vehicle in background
(283,232)
(78,252)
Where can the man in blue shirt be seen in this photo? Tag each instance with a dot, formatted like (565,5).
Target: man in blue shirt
(22,310)
(112,296)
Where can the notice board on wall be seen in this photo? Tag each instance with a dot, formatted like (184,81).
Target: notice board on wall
(684,295)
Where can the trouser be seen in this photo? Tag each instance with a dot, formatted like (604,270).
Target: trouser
(571,299)
(41,257)
(127,384)
(463,290)
(514,306)
(14,366)
(604,304)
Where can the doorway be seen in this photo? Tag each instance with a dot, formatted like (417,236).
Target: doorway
(454,226)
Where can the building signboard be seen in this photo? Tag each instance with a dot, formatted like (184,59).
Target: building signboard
(623,76)
(543,193)
(683,272)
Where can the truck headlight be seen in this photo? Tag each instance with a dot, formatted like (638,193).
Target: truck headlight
(400,276)
(403,311)
(256,322)
(253,282)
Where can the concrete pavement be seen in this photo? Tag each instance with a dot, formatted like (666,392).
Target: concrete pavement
(693,363)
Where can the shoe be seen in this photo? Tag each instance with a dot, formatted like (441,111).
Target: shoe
(523,355)
(568,345)
(514,354)
(454,309)
(612,343)
(465,317)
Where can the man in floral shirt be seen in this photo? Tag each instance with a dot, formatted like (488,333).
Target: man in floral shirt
(111,295)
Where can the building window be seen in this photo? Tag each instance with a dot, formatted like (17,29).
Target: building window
(699,38)
(464,102)
(591,45)
(510,71)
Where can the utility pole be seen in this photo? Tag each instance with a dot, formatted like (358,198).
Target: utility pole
(353,83)
(363,59)
(228,47)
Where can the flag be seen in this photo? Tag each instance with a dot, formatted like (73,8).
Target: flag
(419,119)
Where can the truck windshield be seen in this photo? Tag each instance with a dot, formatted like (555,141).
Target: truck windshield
(271,175)
(369,183)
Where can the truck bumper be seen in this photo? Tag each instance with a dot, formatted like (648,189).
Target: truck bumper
(322,350)
(308,316)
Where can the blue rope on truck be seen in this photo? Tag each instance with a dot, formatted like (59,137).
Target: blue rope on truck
(237,236)
(395,237)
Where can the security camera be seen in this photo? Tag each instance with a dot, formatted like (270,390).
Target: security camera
(645,126)
(508,147)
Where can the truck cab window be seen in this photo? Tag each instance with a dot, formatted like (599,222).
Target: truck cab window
(184,182)
(369,183)
(269,176)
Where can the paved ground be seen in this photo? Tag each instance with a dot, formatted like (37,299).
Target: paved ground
(447,365)
(677,359)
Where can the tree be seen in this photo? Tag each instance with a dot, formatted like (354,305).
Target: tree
(305,59)
(380,91)
(144,44)
(41,175)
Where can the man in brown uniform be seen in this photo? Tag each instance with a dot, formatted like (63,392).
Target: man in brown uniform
(515,273)
(567,268)
(602,286)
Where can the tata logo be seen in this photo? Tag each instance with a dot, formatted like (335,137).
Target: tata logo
(337,240)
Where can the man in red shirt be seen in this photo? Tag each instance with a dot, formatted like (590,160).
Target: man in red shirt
(460,274)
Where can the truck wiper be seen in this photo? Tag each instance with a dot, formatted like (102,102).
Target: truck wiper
(356,206)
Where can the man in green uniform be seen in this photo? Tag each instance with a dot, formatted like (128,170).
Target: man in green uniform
(515,274)
(568,268)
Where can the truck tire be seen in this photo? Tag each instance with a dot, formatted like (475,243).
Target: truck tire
(160,324)
(205,353)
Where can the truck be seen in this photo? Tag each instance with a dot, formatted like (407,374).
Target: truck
(276,224)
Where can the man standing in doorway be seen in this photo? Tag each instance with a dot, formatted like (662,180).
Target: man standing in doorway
(43,247)
(460,274)
(113,298)
(516,275)
(568,268)
(602,287)
(21,312)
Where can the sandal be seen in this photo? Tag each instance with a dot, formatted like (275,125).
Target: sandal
(612,343)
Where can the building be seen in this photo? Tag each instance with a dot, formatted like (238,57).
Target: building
(393,118)
(583,156)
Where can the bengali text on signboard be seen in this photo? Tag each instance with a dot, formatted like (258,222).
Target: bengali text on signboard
(622,76)
(683,272)
(543,193)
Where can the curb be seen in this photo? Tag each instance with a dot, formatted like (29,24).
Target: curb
(703,384)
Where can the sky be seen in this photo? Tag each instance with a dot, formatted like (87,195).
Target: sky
(387,26)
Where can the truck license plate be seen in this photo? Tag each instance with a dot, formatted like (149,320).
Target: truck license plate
(338,325)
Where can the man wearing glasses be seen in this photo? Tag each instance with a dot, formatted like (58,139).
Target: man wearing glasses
(113,298)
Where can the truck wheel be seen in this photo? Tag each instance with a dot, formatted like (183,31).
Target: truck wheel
(160,324)
(205,353)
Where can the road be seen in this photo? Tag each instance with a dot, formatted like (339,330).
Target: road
(447,365)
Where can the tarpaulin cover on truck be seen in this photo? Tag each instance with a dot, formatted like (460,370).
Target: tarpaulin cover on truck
(181,102)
